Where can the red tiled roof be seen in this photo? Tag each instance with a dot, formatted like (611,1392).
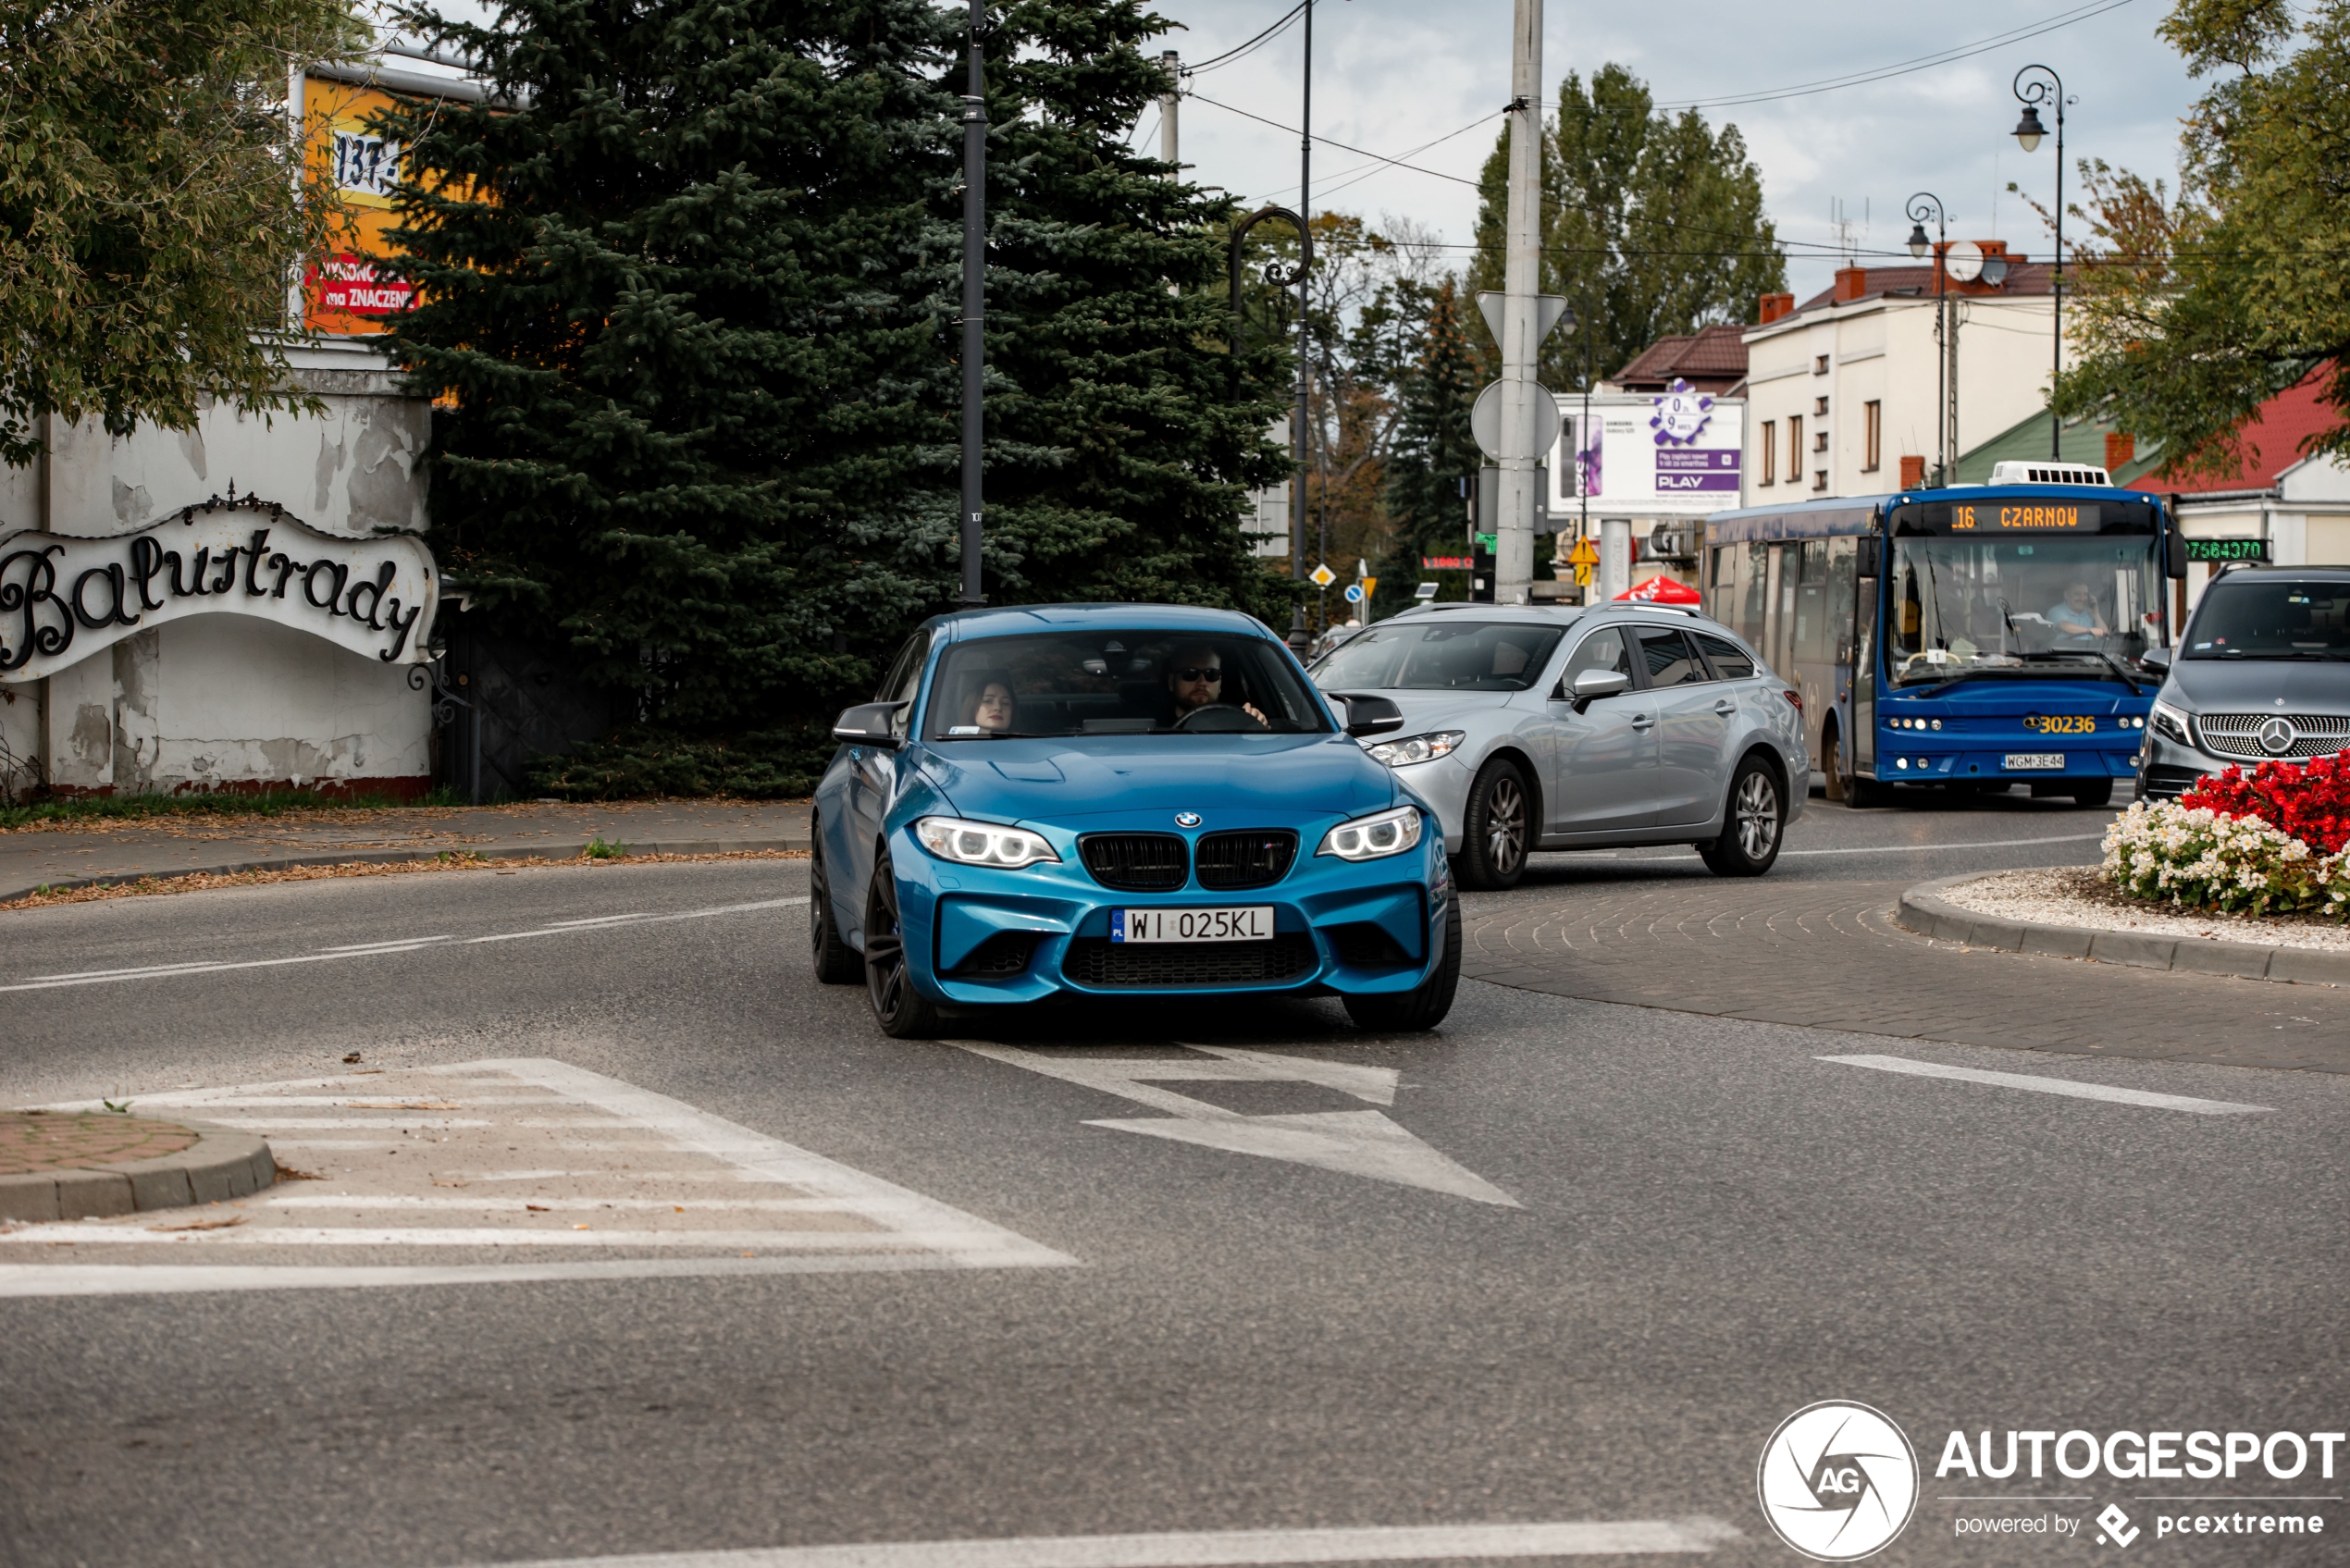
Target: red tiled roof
(2272,438)
(1710,354)
(2024,278)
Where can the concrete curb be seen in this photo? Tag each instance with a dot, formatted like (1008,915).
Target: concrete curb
(1924,911)
(220,1163)
(402,857)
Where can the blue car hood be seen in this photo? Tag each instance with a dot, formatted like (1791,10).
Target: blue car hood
(1082,777)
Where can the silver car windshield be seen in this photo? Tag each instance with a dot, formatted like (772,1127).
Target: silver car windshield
(1117,682)
(1966,606)
(1441,655)
(2271,618)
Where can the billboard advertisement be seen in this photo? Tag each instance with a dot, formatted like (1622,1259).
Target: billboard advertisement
(1666,454)
(343,295)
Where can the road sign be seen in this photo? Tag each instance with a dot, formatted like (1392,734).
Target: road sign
(1353,593)
(1322,576)
(1543,415)
(1585,553)
(1370,587)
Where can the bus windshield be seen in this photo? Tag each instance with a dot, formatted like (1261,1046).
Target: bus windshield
(1967,606)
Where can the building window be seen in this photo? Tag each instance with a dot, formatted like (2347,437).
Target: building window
(1820,441)
(1819,478)
(1819,364)
(1820,406)
(1770,451)
(1872,436)
(1794,447)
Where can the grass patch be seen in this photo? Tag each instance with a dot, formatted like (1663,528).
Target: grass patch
(268,803)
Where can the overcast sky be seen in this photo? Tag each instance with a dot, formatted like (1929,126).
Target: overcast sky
(1390,75)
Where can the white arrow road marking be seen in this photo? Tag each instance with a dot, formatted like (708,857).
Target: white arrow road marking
(1214,1549)
(1351,1143)
(2049,1085)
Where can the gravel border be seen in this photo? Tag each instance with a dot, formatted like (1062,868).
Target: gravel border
(1924,912)
(402,857)
(221,1164)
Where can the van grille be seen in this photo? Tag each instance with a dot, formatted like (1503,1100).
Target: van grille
(1229,860)
(1136,862)
(2237,736)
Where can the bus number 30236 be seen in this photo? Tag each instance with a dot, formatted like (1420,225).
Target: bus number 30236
(2061,724)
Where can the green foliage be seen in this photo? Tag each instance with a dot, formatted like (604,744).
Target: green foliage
(698,346)
(2190,314)
(1652,224)
(148,227)
(1433,449)
(224,803)
(637,763)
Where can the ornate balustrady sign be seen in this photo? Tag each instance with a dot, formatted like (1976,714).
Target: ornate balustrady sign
(63,599)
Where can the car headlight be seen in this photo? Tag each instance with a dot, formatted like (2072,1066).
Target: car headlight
(982,844)
(1417,749)
(1371,838)
(2171,721)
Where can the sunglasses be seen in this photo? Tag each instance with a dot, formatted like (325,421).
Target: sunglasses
(1198,674)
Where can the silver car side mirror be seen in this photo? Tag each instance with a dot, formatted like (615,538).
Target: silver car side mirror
(1593,685)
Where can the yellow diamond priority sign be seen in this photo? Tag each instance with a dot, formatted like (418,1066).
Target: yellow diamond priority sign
(1322,577)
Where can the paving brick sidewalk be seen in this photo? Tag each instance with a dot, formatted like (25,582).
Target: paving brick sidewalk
(40,1140)
(1829,955)
(50,856)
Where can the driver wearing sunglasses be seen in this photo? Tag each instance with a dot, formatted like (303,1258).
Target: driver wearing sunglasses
(1195,679)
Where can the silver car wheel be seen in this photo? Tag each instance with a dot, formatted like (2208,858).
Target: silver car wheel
(1758,815)
(1505,825)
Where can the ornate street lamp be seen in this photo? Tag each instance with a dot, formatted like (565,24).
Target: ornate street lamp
(1923,205)
(2028,133)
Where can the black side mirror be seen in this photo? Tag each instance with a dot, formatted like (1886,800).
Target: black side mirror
(2174,553)
(870,724)
(1593,685)
(1869,556)
(1368,715)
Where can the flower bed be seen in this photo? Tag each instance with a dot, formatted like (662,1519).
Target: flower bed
(2219,848)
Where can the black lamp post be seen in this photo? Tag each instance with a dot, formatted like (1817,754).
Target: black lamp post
(2028,133)
(1923,205)
(974,295)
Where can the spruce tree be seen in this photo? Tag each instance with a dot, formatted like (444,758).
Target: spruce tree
(1434,449)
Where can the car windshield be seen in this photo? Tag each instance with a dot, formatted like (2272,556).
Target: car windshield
(1441,655)
(1111,681)
(2271,618)
(1970,606)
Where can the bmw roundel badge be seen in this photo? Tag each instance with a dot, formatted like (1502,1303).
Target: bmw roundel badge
(1187,819)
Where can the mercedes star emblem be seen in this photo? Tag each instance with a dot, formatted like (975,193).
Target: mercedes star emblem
(2276,736)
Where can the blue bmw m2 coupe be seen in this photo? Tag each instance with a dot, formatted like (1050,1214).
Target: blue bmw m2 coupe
(1119,800)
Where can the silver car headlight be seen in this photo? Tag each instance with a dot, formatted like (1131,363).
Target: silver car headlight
(1403,752)
(2170,722)
(1374,836)
(982,844)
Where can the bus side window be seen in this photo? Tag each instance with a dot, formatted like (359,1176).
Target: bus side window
(1810,596)
(1754,589)
(1841,609)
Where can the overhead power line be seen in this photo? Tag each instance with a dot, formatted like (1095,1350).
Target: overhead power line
(1229,56)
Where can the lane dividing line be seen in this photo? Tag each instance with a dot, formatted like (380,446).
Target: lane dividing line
(2050,1085)
(1216,1549)
(108,977)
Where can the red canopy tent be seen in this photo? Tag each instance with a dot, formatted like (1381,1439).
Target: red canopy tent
(1660,589)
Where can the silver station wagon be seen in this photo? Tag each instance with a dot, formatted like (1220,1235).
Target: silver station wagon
(1529,729)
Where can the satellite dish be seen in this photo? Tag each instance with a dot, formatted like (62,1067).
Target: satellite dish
(1963,262)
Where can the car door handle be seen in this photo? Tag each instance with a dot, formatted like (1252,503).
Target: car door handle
(1643,722)
(1726,708)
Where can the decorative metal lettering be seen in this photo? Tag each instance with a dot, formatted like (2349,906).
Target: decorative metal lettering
(63,599)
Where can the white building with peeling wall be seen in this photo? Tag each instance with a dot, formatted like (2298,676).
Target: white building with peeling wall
(238,687)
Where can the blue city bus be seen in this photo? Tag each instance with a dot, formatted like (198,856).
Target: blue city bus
(1970,638)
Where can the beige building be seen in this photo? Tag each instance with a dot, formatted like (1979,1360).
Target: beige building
(1841,391)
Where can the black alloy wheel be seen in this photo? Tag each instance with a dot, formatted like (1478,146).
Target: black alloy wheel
(903,1012)
(1424,1006)
(836,962)
(1496,828)
(1752,823)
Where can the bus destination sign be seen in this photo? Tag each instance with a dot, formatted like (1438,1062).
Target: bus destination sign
(1990,516)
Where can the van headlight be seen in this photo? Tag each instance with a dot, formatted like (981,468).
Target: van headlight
(2170,722)
(1374,836)
(1403,753)
(982,844)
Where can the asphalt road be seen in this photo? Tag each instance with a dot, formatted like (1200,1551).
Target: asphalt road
(1663,1233)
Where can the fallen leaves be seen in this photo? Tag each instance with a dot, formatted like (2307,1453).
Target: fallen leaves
(221,1224)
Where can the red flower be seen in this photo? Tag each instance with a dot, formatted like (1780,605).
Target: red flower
(2309,800)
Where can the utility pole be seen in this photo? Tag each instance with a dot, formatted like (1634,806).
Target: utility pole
(1304,300)
(974,296)
(1173,97)
(1521,328)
